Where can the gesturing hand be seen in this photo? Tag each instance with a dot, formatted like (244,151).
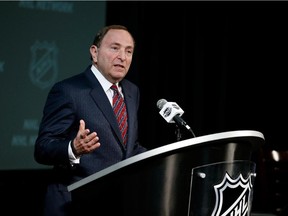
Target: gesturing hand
(85,142)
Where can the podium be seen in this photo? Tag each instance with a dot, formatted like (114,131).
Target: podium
(207,175)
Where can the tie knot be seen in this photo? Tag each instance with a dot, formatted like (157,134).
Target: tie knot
(114,87)
(116,91)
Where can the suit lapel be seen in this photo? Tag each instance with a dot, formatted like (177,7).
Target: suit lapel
(130,105)
(101,100)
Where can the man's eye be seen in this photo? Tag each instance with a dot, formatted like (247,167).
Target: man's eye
(114,48)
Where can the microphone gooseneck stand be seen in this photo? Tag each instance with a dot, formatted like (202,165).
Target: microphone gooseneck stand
(179,134)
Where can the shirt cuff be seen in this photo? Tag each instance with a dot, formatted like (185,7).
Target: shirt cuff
(72,158)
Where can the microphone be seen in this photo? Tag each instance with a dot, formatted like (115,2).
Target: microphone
(172,113)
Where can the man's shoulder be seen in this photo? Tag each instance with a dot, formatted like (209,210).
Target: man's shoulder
(128,83)
(74,79)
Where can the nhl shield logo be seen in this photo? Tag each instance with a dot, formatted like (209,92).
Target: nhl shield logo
(43,67)
(233,196)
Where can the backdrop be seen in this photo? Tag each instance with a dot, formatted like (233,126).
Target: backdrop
(224,63)
(41,42)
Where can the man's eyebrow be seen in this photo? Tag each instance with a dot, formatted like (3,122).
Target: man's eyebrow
(118,44)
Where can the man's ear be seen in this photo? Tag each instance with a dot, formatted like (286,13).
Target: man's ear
(94,52)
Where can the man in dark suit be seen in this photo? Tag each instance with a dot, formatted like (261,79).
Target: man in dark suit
(79,133)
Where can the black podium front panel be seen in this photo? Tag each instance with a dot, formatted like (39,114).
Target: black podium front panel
(222,189)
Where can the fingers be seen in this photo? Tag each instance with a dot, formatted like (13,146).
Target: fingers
(92,141)
(91,138)
(89,144)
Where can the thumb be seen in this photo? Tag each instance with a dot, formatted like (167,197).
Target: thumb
(82,125)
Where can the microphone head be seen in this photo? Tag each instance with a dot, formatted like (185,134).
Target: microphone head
(168,110)
(161,103)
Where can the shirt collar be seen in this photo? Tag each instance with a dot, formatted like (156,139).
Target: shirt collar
(103,81)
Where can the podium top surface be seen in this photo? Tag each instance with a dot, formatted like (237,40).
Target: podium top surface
(254,137)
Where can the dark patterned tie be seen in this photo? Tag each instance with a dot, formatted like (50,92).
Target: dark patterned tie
(119,108)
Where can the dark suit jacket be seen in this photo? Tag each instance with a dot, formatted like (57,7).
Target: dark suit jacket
(82,97)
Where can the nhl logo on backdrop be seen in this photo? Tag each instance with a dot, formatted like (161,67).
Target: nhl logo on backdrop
(233,196)
(43,67)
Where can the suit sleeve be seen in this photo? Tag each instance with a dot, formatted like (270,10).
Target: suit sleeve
(51,146)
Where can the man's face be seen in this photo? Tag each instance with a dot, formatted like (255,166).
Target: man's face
(114,56)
